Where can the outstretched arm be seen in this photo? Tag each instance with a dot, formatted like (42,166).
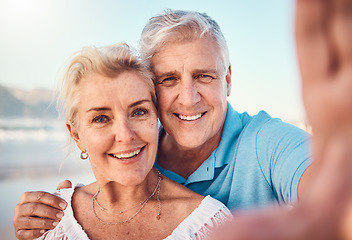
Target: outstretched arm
(38,212)
(324,47)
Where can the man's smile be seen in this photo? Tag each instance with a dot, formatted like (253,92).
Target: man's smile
(190,117)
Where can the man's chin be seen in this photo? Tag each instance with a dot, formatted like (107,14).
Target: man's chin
(189,142)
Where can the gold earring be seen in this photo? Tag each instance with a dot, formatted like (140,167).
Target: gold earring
(84,155)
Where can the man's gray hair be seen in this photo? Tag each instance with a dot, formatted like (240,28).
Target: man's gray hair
(180,26)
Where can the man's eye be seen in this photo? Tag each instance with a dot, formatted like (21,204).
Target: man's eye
(205,78)
(101,119)
(168,81)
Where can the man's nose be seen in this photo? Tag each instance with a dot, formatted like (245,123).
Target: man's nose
(189,93)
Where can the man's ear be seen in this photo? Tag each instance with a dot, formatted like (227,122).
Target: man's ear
(228,80)
(75,135)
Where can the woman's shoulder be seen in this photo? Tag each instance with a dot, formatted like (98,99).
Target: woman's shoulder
(83,190)
(209,214)
(176,191)
(81,196)
(210,209)
(67,193)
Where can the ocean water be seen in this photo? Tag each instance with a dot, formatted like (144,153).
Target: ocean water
(33,157)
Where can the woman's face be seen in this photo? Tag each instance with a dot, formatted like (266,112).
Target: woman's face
(117,127)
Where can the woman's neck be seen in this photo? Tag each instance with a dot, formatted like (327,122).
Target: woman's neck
(114,196)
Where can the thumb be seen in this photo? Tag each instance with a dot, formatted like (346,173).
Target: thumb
(64,184)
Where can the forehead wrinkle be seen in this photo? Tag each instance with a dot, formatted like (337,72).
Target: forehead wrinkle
(181,61)
(205,63)
(191,65)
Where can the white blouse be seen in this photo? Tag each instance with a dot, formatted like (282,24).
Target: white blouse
(197,225)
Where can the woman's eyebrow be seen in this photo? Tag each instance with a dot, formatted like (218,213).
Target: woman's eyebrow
(97,109)
(139,103)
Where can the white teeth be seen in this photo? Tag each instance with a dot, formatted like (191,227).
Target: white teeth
(127,155)
(189,118)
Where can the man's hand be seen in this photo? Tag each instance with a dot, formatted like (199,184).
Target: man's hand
(324,47)
(38,212)
(64,184)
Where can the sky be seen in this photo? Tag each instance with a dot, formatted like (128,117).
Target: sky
(38,36)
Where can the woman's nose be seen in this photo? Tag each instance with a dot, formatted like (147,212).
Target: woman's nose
(123,131)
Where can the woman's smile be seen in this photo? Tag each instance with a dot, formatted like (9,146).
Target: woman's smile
(127,154)
(128,157)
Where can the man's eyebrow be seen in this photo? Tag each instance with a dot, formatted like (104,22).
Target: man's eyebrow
(213,71)
(99,109)
(165,74)
(197,71)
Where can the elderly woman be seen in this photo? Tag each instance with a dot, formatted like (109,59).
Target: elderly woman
(109,100)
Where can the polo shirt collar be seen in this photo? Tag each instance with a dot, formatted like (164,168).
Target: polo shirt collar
(232,128)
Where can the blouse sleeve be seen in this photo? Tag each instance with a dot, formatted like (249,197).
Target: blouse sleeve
(209,215)
(56,234)
(67,228)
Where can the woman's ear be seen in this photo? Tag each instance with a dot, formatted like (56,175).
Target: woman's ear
(75,135)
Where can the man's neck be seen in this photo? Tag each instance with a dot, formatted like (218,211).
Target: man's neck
(181,160)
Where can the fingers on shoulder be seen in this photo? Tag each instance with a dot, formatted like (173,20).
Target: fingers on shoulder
(64,184)
(34,223)
(29,234)
(37,210)
(43,198)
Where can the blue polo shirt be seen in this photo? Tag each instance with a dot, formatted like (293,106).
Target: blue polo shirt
(259,161)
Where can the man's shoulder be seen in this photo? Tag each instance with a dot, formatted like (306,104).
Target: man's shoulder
(238,125)
(262,127)
(262,120)
(255,121)
(245,117)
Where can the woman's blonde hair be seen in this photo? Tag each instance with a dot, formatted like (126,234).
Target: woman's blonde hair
(109,61)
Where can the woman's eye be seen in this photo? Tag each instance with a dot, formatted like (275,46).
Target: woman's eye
(101,119)
(140,112)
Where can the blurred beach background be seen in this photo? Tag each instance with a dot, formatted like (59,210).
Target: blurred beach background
(38,36)
(33,156)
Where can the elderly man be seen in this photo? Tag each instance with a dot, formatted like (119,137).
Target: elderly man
(241,160)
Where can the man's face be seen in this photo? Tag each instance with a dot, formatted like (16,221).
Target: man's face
(192,89)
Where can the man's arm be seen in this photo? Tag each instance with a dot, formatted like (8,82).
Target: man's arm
(324,45)
(38,212)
